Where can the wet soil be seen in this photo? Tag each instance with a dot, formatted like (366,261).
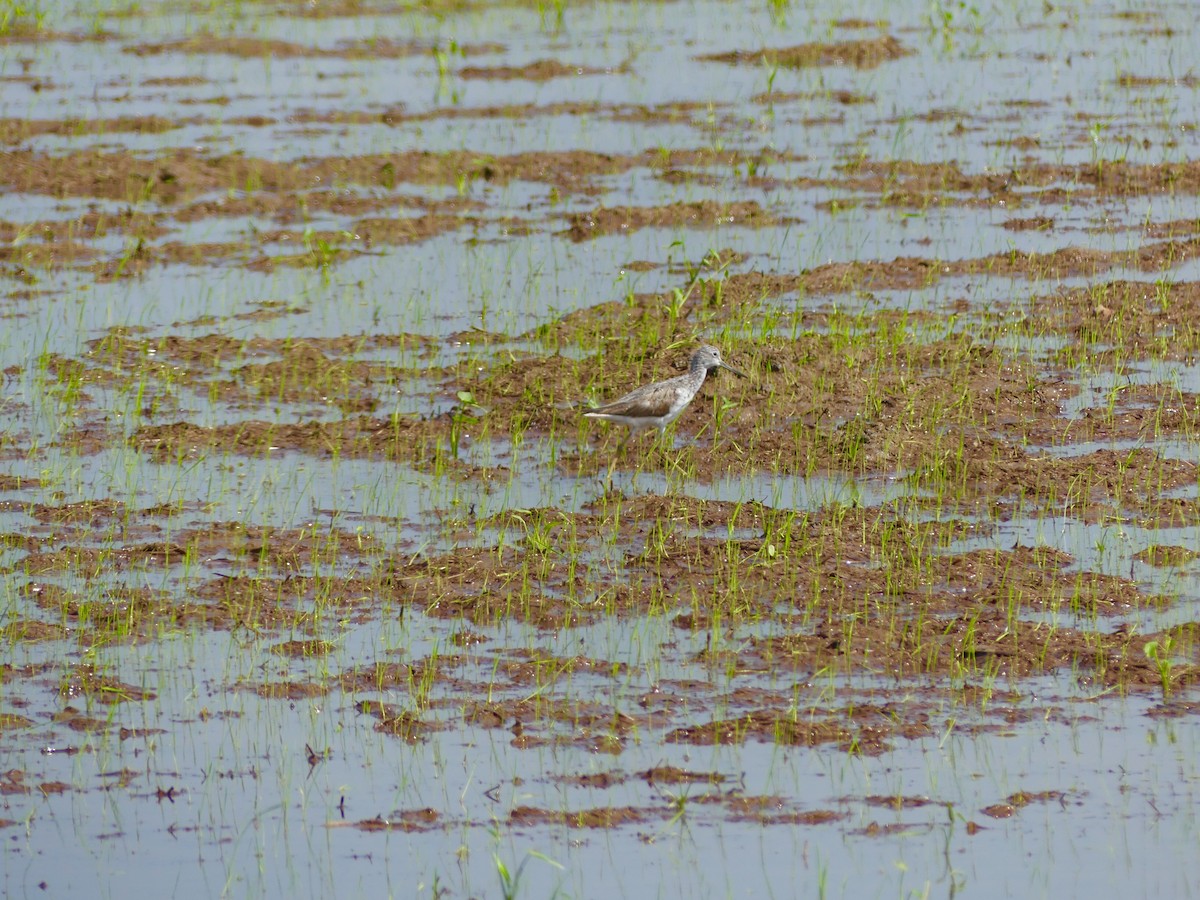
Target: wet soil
(863,54)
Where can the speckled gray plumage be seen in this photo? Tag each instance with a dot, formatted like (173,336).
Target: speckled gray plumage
(658,404)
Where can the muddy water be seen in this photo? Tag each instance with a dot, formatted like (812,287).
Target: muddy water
(315,581)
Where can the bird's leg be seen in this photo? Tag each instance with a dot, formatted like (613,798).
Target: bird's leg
(618,454)
(660,443)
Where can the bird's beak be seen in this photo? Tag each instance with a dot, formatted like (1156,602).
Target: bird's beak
(738,372)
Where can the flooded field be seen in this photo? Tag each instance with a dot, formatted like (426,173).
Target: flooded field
(317,582)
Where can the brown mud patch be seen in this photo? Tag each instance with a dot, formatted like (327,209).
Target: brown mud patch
(408,821)
(15,131)
(125,613)
(1112,320)
(257,48)
(13,782)
(1145,81)
(540,70)
(182,175)
(302,649)
(265,251)
(32,631)
(594,726)
(677,111)
(774,727)
(1032,223)
(599,780)
(84,681)
(1160,555)
(123,349)
(79,722)
(981,642)
(673,775)
(914,273)
(18,483)
(863,54)
(288,690)
(596,817)
(810,817)
(392,720)
(700,214)
(88,226)
(11,721)
(22,30)
(1018,801)
(293,208)
(424,443)
(920,185)
(898,803)
(842,97)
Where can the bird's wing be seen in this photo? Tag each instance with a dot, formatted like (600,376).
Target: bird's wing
(651,401)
